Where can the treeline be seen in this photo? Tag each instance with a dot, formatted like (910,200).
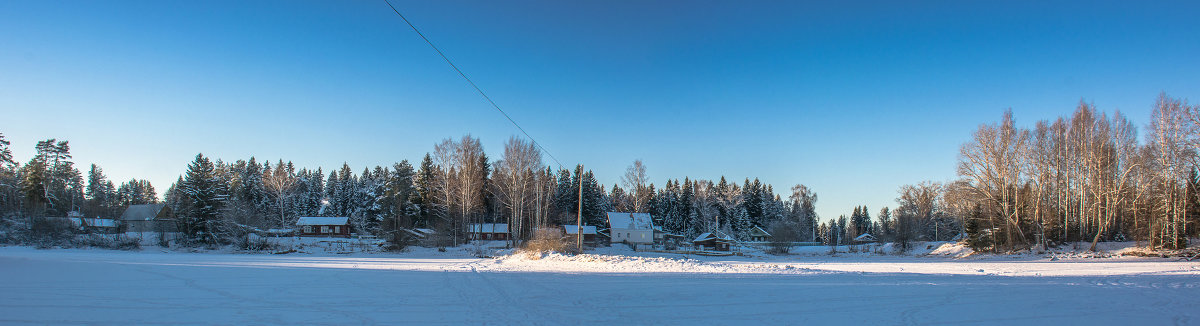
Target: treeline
(50,185)
(457,185)
(1084,177)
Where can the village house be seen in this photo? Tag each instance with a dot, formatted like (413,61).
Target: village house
(865,238)
(324,226)
(149,218)
(634,228)
(488,231)
(589,234)
(712,241)
(757,234)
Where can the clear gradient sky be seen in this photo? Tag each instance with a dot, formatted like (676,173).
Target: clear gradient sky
(851,98)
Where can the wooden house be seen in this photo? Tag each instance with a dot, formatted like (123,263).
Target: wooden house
(757,234)
(712,241)
(488,231)
(148,218)
(323,226)
(865,238)
(590,234)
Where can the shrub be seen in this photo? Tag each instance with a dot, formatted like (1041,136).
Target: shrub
(783,234)
(546,240)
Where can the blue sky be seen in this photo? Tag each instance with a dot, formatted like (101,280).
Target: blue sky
(852,98)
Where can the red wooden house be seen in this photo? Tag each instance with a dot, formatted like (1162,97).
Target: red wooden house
(322,226)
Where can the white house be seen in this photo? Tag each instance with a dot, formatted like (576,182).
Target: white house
(630,227)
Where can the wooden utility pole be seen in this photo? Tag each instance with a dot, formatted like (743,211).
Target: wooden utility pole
(579,213)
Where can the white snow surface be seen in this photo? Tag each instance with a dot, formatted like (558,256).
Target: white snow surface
(611,285)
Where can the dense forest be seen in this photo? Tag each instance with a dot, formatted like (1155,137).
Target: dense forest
(1083,177)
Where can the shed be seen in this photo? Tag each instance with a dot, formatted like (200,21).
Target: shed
(713,241)
(324,226)
(488,231)
(149,218)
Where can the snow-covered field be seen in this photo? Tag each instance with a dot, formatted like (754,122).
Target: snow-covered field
(612,287)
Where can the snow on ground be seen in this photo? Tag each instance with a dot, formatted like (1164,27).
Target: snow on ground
(611,286)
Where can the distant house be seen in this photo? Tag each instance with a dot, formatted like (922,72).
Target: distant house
(98,225)
(87,225)
(149,218)
(865,238)
(589,233)
(488,231)
(757,234)
(631,227)
(324,226)
(713,241)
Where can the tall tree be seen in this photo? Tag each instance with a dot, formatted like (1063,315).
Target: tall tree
(206,195)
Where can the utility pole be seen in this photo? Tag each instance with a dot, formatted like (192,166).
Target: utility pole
(579,214)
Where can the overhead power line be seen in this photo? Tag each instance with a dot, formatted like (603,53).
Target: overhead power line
(476,87)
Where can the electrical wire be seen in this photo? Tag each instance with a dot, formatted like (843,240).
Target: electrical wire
(476,87)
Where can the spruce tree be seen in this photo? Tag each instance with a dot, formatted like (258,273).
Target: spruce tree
(206,195)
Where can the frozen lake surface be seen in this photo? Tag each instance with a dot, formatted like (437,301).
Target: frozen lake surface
(99,287)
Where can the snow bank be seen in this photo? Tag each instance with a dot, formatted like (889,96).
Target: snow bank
(591,263)
(952,249)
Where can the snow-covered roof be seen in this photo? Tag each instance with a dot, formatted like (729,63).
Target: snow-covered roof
(587,229)
(322,220)
(630,221)
(144,212)
(425,231)
(760,231)
(489,228)
(83,221)
(100,222)
(865,237)
(415,233)
(709,236)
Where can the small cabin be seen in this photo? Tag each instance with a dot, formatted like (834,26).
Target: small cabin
(865,238)
(712,241)
(324,226)
(757,234)
(489,231)
(589,233)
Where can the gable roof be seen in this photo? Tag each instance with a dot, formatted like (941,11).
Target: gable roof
(756,230)
(322,220)
(489,228)
(587,229)
(630,221)
(865,237)
(146,212)
(710,236)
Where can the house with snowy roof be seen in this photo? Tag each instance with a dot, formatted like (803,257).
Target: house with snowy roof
(324,226)
(589,233)
(865,238)
(148,218)
(488,231)
(632,228)
(757,234)
(713,241)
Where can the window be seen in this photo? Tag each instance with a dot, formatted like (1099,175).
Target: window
(308,229)
(324,229)
(337,229)
(643,235)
